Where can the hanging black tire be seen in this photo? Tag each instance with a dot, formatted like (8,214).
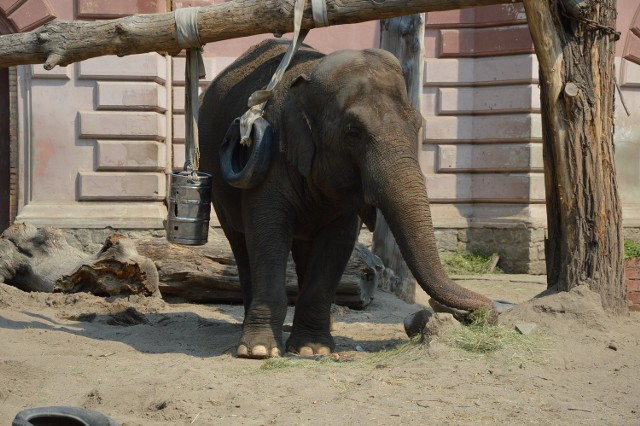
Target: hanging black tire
(246,167)
(62,416)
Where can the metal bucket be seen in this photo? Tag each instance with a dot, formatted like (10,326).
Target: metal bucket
(189,209)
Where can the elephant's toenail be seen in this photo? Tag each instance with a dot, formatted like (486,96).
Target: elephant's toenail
(275,353)
(305,351)
(259,351)
(324,351)
(242,351)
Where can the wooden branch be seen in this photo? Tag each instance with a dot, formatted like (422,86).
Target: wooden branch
(64,42)
(41,260)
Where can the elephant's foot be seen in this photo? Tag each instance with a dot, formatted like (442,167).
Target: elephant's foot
(307,343)
(259,344)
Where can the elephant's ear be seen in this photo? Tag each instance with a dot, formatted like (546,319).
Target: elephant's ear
(296,130)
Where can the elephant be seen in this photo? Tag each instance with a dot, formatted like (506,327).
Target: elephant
(344,143)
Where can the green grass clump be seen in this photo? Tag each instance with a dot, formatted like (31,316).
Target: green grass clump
(631,250)
(480,338)
(399,350)
(294,362)
(462,262)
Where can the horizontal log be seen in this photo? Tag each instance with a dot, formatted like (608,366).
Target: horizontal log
(64,42)
(208,274)
(41,260)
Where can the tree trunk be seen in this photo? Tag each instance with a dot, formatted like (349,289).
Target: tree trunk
(404,37)
(63,42)
(574,42)
(41,260)
(208,274)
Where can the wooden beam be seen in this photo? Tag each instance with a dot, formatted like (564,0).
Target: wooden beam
(64,42)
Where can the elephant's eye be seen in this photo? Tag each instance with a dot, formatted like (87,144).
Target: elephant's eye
(352,132)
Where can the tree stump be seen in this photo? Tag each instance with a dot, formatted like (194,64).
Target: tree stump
(34,259)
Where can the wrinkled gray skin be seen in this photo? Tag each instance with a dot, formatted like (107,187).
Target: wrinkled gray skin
(346,136)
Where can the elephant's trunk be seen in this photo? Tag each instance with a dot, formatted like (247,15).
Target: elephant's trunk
(402,197)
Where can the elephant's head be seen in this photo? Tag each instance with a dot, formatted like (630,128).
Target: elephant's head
(348,126)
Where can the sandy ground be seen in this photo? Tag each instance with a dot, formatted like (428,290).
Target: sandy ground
(148,362)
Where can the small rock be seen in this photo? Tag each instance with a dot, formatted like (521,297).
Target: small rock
(526,328)
(613,346)
(439,323)
(414,324)
(503,306)
(360,349)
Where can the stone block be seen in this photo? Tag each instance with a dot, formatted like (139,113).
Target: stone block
(492,128)
(58,73)
(117,214)
(178,156)
(486,41)
(121,186)
(143,67)
(139,96)
(8,6)
(446,240)
(130,155)
(489,100)
(489,187)
(179,100)
(122,125)
(633,285)
(485,158)
(631,71)
(512,69)
(178,128)
(31,14)
(632,49)
(108,9)
(632,269)
(633,297)
(503,14)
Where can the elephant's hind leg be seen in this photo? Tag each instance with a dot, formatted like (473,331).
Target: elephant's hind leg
(325,259)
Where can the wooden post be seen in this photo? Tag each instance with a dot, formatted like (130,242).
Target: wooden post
(574,41)
(404,37)
(64,42)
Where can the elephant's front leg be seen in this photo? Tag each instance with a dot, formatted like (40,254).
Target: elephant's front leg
(324,260)
(268,237)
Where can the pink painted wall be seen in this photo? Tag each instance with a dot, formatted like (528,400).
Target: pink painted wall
(101,157)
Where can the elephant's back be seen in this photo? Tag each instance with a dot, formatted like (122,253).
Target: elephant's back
(226,97)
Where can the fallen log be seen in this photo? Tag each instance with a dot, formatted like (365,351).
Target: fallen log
(41,260)
(64,42)
(208,274)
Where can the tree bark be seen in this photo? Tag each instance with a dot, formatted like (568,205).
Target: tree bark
(65,42)
(208,274)
(404,37)
(41,260)
(574,42)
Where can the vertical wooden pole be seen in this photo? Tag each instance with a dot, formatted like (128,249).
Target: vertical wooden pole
(574,42)
(404,37)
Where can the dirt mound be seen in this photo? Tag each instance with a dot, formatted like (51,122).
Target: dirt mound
(116,310)
(144,362)
(559,313)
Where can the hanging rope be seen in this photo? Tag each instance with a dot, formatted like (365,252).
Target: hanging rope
(188,38)
(258,99)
